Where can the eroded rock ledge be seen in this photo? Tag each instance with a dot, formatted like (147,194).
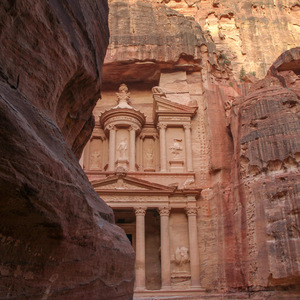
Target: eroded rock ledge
(57,236)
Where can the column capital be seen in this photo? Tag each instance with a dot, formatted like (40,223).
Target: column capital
(133,128)
(111,127)
(191,211)
(140,211)
(162,126)
(164,210)
(187,126)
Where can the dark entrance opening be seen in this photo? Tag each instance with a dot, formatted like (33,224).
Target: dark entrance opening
(130,238)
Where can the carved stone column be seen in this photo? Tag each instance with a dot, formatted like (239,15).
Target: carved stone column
(193,241)
(112,148)
(188,147)
(163,150)
(140,270)
(165,247)
(132,149)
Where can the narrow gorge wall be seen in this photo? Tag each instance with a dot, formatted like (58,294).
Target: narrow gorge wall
(57,236)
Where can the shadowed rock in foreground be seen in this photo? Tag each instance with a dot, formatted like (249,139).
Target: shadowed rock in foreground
(57,236)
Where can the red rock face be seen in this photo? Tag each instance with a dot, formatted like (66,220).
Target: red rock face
(265,193)
(248,219)
(57,236)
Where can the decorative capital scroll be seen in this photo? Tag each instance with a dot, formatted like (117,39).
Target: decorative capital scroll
(187,126)
(140,211)
(191,211)
(111,127)
(134,128)
(164,211)
(161,126)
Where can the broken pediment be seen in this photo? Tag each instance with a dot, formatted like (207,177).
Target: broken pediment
(162,106)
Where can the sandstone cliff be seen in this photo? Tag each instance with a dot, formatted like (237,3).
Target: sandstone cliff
(148,37)
(57,236)
(265,190)
(246,156)
(250,34)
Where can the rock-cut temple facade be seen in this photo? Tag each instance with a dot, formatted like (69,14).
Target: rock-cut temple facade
(140,160)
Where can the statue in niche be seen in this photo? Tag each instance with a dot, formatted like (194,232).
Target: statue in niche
(95,160)
(181,256)
(122,148)
(176,148)
(123,95)
(149,158)
(149,155)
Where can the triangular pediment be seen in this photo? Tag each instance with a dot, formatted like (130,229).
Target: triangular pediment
(163,104)
(165,107)
(127,183)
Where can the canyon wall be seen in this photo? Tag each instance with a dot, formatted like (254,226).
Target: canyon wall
(57,236)
(245,149)
(265,190)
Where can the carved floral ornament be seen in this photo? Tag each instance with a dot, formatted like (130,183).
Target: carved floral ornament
(111,127)
(164,211)
(133,127)
(140,211)
(162,126)
(191,211)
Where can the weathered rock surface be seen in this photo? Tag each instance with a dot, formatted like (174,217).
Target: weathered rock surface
(245,151)
(265,192)
(148,37)
(251,34)
(57,236)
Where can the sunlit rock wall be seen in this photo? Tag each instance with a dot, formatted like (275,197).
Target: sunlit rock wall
(265,191)
(250,34)
(237,251)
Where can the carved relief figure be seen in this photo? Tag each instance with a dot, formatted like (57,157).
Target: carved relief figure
(176,148)
(159,91)
(95,160)
(149,158)
(181,256)
(188,181)
(149,155)
(123,94)
(122,149)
